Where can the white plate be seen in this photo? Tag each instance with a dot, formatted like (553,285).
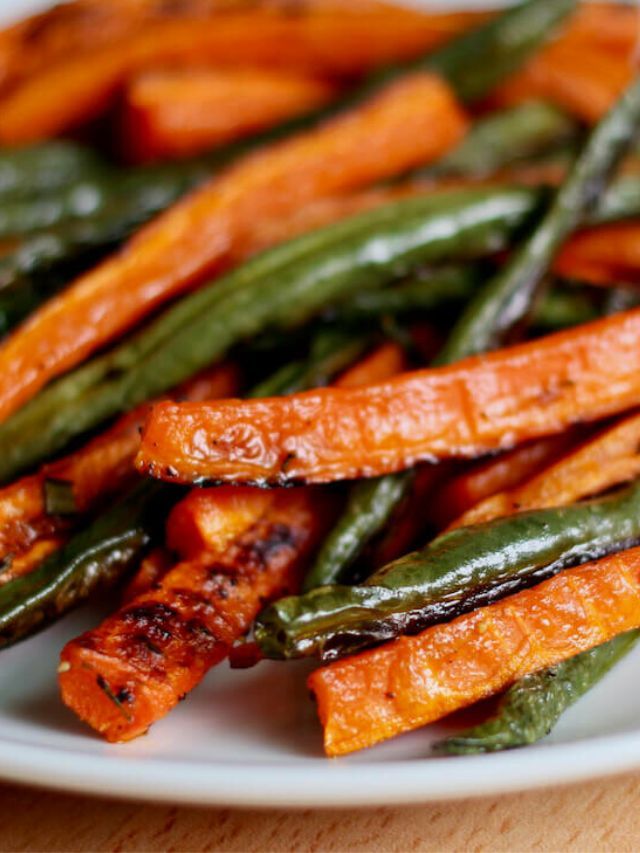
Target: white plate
(251,738)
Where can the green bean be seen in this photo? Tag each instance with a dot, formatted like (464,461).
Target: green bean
(283,287)
(459,571)
(507,137)
(561,308)
(508,298)
(332,350)
(93,559)
(534,704)
(45,168)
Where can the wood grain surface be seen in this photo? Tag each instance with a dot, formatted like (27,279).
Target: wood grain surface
(598,816)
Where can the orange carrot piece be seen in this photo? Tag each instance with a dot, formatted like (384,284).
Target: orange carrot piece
(413,120)
(29,559)
(95,471)
(607,254)
(208,519)
(387,360)
(78,88)
(580,77)
(485,479)
(129,672)
(607,459)
(478,405)
(174,114)
(152,568)
(413,681)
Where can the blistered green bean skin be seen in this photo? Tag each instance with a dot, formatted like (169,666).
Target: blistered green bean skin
(534,704)
(508,299)
(44,168)
(95,558)
(459,571)
(283,287)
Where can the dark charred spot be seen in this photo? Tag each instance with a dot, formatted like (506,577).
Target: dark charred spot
(124,696)
(277,536)
(287,461)
(389,695)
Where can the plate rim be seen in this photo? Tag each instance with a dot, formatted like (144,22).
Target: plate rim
(331,784)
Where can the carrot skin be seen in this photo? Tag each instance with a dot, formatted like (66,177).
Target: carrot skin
(477,405)
(415,680)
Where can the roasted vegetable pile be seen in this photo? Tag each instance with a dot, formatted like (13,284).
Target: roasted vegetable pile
(316,345)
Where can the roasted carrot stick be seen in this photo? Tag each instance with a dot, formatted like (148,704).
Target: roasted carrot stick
(93,472)
(413,120)
(415,680)
(487,478)
(140,662)
(78,88)
(475,406)
(387,360)
(607,459)
(607,254)
(174,114)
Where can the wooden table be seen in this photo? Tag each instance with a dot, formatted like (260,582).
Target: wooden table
(598,816)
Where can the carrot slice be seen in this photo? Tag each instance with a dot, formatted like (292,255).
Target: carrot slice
(485,479)
(606,460)
(477,405)
(413,681)
(140,662)
(96,470)
(387,360)
(174,114)
(607,254)
(412,121)
(576,75)
(79,88)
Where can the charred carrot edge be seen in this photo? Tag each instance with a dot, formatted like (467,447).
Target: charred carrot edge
(605,460)
(170,114)
(413,681)
(76,89)
(487,478)
(475,406)
(96,470)
(607,254)
(412,121)
(129,672)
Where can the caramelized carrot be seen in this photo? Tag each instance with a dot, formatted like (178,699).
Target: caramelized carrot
(607,459)
(413,681)
(15,566)
(96,470)
(78,88)
(474,406)
(484,479)
(174,114)
(129,672)
(607,254)
(412,121)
